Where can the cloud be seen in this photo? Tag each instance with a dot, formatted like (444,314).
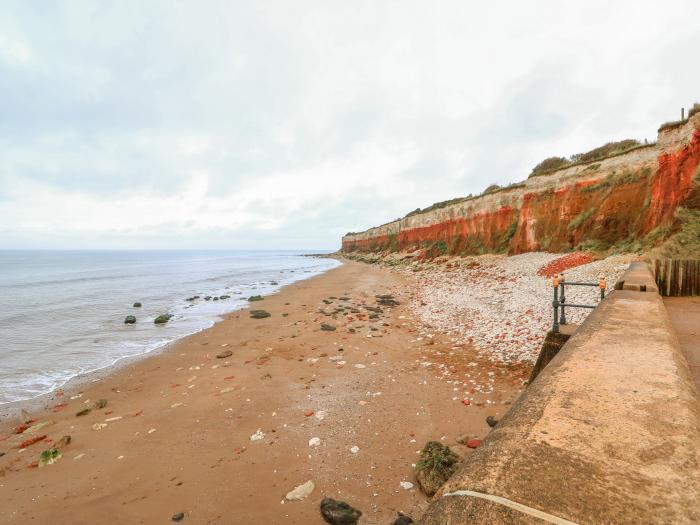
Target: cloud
(279,124)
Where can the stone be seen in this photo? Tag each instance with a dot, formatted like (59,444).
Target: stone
(222,297)
(403,520)
(137,305)
(327,327)
(301,492)
(435,466)
(258,436)
(314,442)
(338,512)
(83,412)
(178,517)
(224,354)
(491,421)
(162,319)
(473,443)
(354,449)
(254,298)
(100,404)
(129,319)
(259,314)
(406,485)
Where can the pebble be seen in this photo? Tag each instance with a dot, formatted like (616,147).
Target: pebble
(354,449)
(406,485)
(301,492)
(314,442)
(258,436)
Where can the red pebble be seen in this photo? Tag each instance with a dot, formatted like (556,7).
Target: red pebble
(473,443)
(466,402)
(229,377)
(33,464)
(29,442)
(60,407)
(309,413)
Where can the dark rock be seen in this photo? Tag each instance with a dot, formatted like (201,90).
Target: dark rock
(403,520)
(216,299)
(222,297)
(83,412)
(162,319)
(492,421)
(137,305)
(338,512)
(253,298)
(259,314)
(191,299)
(100,403)
(178,517)
(327,327)
(207,298)
(435,466)
(274,283)
(129,319)
(2,454)
(224,354)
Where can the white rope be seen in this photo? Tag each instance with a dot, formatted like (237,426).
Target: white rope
(513,505)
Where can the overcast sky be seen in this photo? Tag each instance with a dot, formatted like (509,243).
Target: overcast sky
(256,124)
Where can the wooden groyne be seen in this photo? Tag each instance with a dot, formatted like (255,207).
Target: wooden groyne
(677,277)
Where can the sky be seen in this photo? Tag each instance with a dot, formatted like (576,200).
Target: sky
(284,125)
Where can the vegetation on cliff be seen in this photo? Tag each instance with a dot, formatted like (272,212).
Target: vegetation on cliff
(611,149)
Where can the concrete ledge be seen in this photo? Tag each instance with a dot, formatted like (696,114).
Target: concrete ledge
(638,278)
(609,432)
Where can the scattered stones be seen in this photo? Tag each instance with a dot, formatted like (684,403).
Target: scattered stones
(301,492)
(328,327)
(130,319)
(491,421)
(338,512)
(354,449)
(435,466)
(137,305)
(254,298)
(224,354)
(162,319)
(259,314)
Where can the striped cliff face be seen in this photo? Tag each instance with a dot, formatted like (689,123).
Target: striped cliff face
(623,198)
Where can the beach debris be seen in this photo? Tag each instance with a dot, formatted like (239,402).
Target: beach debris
(29,442)
(258,435)
(99,426)
(254,298)
(83,412)
(338,512)
(115,418)
(100,404)
(436,464)
(473,443)
(224,354)
(49,457)
(178,517)
(137,305)
(328,327)
(354,449)
(129,319)
(491,421)
(403,520)
(259,314)
(301,492)
(314,441)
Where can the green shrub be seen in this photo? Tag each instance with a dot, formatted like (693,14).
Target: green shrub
(550,164)
(581,218)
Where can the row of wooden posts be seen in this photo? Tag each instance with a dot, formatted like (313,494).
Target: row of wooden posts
(677,277)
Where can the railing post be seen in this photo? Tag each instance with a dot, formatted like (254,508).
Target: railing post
(555,304)
(562,299)
(601,284)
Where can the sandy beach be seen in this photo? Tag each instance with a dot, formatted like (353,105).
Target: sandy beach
(224,439)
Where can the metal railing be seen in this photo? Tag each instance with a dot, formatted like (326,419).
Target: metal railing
(559,283)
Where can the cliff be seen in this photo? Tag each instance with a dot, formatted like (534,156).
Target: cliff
(630,201)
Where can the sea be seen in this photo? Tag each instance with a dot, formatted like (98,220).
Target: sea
(63,312)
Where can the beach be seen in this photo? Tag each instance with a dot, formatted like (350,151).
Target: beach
(223,440)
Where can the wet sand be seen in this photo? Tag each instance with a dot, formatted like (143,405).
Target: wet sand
(182,441)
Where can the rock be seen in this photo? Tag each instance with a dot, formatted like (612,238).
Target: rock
(191,299)
(435,466)
(406,485)
(222,297)
(63,442)
(314,442)
(162,319)
(338,512)
(83,412)
(253,298)
(129,319)
(403,520)
(207,298)
(224,354)
(354,449)
(301,492)
(258,436)
(491,421)
(259,314)
(473,443)
(327,327)
(100,404)
(178,517)
(137,305)
(216,299)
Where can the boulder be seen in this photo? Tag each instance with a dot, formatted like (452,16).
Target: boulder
(224,354)
(129,319)
(327,327)
(259,314)
(338,512)
(403,520)
(253,298)
(435,466)
(137,305)
(491,421)
(162,319)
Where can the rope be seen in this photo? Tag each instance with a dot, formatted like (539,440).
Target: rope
(513,505)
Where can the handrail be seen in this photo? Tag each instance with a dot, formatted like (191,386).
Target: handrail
(559,282)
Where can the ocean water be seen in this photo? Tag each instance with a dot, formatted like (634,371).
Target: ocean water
(63,311)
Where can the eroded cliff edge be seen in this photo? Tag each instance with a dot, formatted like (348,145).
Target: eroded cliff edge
(631,201)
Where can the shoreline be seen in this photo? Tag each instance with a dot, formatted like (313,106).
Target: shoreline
(381,386)
(83,379)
